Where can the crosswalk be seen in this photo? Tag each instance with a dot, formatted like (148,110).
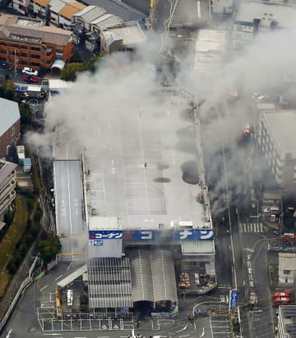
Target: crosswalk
(251,227)
(220,326)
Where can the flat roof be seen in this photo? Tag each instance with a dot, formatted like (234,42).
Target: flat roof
(139,180)
(283,14)
(210,49)
(117,8)
(130,35)
(71,9)
(281,127)
(9,114)
(6,169)
(70,225)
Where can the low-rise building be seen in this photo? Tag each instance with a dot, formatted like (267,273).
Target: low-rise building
(287,321)
(287,268)
(122,38)
(29,43)
(254,17)
(60,12)
(7,185)
(9,125)
(275,139)
(222,7)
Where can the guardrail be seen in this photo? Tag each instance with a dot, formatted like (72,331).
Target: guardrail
(25,284)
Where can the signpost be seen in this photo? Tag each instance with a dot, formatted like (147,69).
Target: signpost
(233,299)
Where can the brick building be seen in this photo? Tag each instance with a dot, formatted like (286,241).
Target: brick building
(9,125)
(27,42)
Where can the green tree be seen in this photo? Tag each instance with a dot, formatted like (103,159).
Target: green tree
(7,91)
(49,247)
(69,73)
(26,114)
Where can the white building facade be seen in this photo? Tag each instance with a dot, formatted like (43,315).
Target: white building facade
(274,136)
(7,185)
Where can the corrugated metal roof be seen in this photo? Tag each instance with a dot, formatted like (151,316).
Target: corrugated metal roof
(117,8)
(109,283)
(153,275)
(141,275)
(197,247)
(130,35)
(90,13)
(9,114)
(163,276)
(70,9)
(42,3)
(56,5)
(5,169)
(107,21)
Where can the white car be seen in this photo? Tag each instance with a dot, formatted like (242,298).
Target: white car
(29,71)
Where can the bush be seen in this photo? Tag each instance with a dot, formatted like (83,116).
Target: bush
(49,247)
(7,91)
(69,73)
(71,70)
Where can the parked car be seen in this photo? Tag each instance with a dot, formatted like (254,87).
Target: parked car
(29,71)
(25,78)
(4,65)
(35,79)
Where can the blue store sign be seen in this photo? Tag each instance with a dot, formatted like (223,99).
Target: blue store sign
(233,299)
(194,235)
(105,234)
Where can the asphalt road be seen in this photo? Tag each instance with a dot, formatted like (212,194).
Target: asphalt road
(68,202)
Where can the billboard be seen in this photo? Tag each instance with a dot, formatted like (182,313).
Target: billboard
(233,299)
(194,235)
(105,234)
(97,237)
(141,235)
(179,235)
(105,243)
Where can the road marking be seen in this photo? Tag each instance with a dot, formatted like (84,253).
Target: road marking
(183,329)
(60,276)
(43,288)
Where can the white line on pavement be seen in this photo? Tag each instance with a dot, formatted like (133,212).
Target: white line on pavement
(59,278)
(43,288)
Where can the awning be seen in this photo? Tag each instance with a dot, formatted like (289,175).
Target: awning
(58,64)
(153,274)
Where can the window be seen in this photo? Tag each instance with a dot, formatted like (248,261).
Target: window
(287,272)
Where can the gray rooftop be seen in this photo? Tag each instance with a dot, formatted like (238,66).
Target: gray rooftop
(281,127)
(140,5)
(9,114)
(117,8)
(139,180)
(284,15)
(6,168)
(90,13)
(68,201)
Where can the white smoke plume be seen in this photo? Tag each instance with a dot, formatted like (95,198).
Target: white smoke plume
(124,88)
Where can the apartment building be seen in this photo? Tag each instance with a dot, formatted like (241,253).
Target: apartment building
(287,321)
(287,268)
(7,185)
(275,139)
(28,42)
(9,125)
